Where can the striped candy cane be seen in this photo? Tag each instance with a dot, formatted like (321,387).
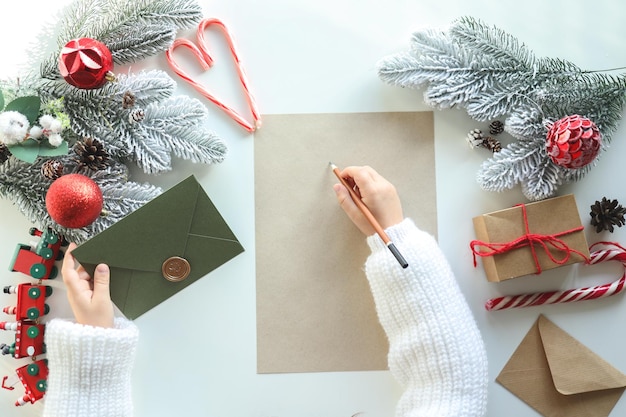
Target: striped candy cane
(613,252)
(202,54)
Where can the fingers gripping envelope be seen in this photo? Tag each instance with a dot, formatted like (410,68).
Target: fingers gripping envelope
(558,376)
(161,248)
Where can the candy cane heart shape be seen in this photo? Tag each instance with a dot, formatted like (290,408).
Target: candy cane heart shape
(201,52)
(610,252)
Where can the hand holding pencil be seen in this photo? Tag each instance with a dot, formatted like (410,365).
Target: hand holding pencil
(370,201)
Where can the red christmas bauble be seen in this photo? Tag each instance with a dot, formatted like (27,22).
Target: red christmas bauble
(74,201)
(573,141)
(85,63)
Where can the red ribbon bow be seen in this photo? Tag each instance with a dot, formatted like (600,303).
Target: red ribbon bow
(530,239)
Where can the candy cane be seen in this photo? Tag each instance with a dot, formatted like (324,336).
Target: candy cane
(201,52)
(614,252)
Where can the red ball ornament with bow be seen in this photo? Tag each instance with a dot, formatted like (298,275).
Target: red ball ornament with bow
(573,141)
(86,63)
(74,201)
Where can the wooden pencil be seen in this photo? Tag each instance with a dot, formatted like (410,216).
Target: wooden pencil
(370,218)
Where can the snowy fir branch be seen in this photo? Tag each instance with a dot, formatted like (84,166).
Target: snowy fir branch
(132,30)
(492,75)
(101,114)
(98,19)
(522,162)
(131,43)
(23,184)
(176,121)
(133,118)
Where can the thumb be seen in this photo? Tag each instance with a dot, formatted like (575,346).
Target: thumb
(101,280)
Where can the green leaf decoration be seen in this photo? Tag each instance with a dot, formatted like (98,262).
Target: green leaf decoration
(1,100)
(27,151)
(48,151)
(27,105)
(31,149)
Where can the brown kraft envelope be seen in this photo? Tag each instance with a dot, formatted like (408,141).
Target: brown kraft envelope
(315,311)
(546,217)
(558,376)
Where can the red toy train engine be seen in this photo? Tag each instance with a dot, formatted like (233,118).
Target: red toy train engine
(38,260)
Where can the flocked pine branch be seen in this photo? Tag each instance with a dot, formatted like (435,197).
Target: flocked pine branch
(133,42)
(132,30)
(23,184)
(93,113)
(95,18)
(136,118)
(149,142)
(522,162)
(176,122)
(492,75)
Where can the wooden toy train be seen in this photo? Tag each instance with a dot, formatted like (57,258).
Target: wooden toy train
(36,260)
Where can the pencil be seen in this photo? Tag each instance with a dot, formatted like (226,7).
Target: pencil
(370,218)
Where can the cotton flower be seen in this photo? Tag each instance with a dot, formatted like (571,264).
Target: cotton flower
(36,132)
(51,128)
(13,127)
(46,120)
(54,139)
(50,124)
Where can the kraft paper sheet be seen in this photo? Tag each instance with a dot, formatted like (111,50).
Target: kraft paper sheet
(315,311)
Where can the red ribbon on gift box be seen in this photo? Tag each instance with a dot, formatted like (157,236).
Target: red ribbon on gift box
(530,240)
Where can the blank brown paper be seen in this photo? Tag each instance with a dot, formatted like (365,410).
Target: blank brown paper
(315,311)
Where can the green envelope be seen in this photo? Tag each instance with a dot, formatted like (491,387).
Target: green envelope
(151,250)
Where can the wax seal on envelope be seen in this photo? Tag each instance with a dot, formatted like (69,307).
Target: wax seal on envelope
(136,248)
(175,269)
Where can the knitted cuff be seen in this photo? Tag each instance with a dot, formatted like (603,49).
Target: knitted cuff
(396,233)
(90,369)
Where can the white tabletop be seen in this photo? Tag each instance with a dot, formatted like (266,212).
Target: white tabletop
(319,57)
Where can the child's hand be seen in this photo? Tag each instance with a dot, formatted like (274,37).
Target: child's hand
(89,298)
(378,194)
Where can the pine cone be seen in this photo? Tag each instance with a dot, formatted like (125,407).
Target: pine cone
(128,100)
(91,154)
(492,144)
(607,213)
(496,127)
(52,169)
(474,138)
(136,115)
(4,153)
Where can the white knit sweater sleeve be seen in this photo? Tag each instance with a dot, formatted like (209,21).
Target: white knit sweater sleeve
(435,349)
(89,369)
